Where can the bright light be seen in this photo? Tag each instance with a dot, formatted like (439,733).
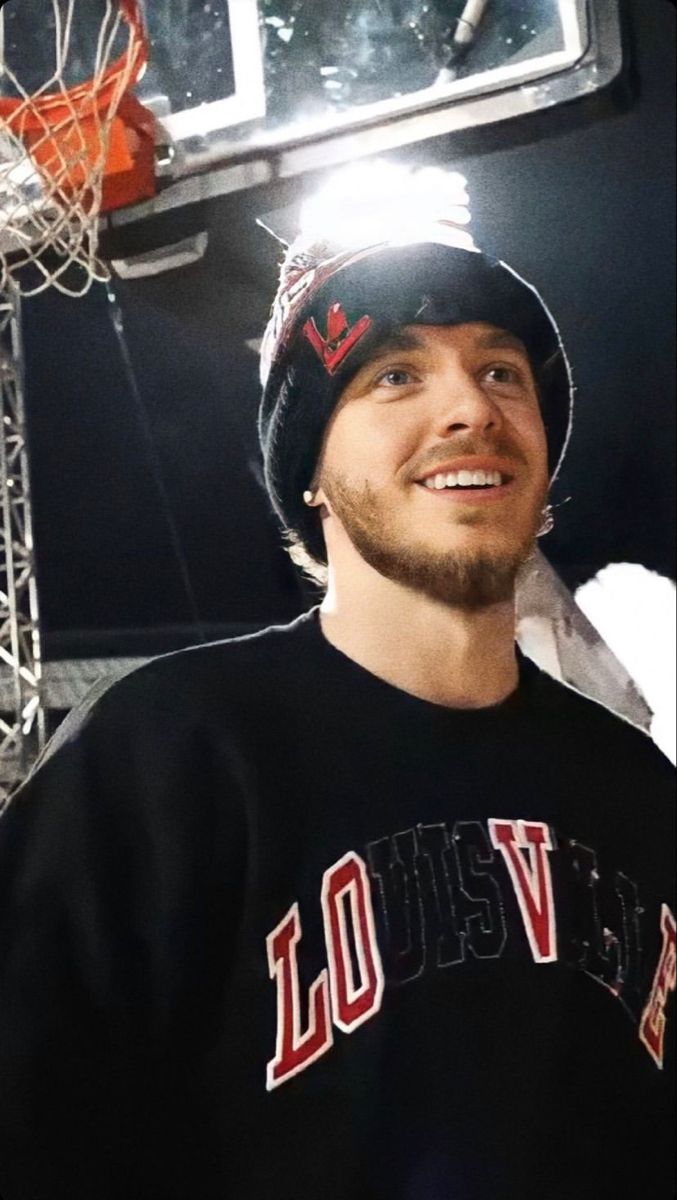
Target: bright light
(634,611)
(385,201)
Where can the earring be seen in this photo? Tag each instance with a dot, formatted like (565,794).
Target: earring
(308,497)
(547,521)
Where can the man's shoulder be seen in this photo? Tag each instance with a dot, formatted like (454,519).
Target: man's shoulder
(594,729)
(191,683)
(229,662)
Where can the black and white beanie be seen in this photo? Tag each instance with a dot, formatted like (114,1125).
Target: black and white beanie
(333,307)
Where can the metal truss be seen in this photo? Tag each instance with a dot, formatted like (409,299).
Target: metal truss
(22,712)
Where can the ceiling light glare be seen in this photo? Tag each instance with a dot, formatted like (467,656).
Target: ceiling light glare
(384,201)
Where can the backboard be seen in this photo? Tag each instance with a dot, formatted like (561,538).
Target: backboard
(249,91)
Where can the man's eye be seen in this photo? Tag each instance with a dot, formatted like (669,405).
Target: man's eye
(503,374)
(394,377)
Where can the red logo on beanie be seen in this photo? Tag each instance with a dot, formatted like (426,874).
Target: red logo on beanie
(339,340)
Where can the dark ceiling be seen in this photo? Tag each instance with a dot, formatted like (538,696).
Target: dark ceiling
(581,203)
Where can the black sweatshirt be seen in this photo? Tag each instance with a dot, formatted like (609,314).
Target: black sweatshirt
(273,929)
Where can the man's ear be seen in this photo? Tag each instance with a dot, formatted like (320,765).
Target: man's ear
(323,504)
(314,497)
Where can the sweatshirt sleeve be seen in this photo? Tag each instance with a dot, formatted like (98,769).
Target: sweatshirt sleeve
(121,867)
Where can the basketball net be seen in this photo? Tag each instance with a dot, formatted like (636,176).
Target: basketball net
(71,152)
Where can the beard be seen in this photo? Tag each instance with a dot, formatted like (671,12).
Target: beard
(471,579)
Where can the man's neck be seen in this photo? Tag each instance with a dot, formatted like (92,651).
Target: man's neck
(440,653)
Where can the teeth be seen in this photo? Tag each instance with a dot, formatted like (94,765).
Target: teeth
(463,479)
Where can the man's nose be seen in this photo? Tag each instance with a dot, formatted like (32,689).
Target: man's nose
(463,405)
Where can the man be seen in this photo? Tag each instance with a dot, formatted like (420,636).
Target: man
(366,907)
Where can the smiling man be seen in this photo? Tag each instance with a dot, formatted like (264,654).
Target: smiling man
(433,480)
(365,907)
(454,410)
(436,408)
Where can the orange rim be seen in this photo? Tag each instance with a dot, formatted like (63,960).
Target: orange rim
(53,106)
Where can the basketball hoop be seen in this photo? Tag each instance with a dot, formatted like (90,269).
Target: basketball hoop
(70,153)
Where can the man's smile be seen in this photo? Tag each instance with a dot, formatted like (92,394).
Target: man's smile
(470,479)
(467,493)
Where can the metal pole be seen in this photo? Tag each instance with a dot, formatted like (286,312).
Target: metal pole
(23,729)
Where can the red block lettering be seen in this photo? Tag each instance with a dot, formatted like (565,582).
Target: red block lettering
(652,1024)
(294,1051)
(532,882)
(347,910)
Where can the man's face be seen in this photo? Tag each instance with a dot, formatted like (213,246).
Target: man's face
(436,405)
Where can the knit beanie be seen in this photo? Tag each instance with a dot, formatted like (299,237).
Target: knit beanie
(332,309)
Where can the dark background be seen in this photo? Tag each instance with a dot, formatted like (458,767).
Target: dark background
(581,202)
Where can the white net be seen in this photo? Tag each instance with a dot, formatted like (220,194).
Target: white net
(59,131)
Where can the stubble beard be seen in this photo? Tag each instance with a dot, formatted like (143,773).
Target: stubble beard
(468,579)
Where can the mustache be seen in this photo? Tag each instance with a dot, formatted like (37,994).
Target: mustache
(463,445)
